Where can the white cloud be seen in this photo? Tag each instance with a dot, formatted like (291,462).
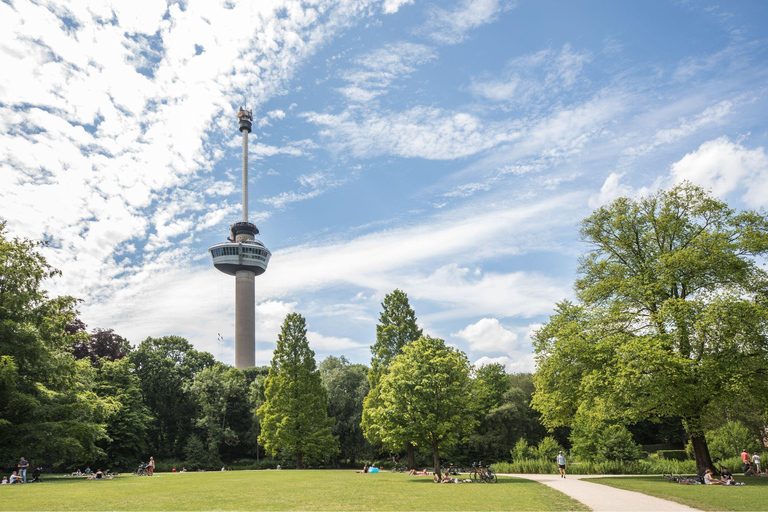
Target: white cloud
(111,110)
(423,132)
(523,363)
(197,302)
(612,189)
(376,71)
(312,185)
(683,127)
(489,336)
(318,342)
(392,6)
(535,78)
(451,26)
(724,166)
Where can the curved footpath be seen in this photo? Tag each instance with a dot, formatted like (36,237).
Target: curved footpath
(602,497)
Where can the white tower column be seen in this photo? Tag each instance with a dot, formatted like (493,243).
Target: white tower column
(245,319)
(245,174)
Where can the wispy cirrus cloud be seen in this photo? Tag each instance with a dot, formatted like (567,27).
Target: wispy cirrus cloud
(532,79)
(375,72)
(451,26)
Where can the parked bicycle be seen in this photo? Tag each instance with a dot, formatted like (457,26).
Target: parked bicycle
(489,476)
(143,470)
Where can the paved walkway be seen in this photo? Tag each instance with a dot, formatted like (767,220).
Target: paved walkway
(602,498)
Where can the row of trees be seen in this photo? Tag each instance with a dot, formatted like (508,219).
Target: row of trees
(70,396)
(667,339)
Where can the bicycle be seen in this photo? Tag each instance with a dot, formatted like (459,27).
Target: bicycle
(143,470)
(489,476)
(476,472)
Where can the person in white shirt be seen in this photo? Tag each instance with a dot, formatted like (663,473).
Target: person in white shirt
(756,462)
(562,463)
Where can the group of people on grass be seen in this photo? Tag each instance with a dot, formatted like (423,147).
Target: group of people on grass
(19,476)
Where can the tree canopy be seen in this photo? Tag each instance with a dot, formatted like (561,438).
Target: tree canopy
(47,400)
(671,319)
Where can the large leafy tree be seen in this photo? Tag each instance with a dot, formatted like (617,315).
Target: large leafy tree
(221,395)
(671,319)
(347,386)
(425,398)
(396,328)
(294,417)
(128,427)
(164,365)
(48,409)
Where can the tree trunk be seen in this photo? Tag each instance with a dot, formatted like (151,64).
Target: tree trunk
(701,453)
(700,449)
(436,458)
(298,460)
(411,457)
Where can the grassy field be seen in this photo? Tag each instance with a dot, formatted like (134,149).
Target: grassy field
(281,490)
(752,496)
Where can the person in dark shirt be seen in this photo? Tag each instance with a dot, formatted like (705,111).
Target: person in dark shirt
(23,465)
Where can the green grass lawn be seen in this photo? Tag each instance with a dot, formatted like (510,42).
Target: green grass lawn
(281,490)
(752,496)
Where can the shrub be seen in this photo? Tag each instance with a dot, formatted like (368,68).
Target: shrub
(548,449)
(730,439)
(673,454)
(616,443)
(639,467)
(521,450)
(595,441)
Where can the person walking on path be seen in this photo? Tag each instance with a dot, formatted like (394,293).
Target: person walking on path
(562,463)
(756,462)
(23,465)
(151,466)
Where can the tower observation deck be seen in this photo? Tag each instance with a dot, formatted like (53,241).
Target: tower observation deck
(244,257)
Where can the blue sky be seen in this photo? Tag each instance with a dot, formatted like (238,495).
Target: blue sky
(449,149)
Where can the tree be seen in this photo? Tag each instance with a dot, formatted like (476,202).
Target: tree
(503,413)
(47,402)
(163,366)
(127,428)
(672,318)
(396,328)
(294,418)
(102,344)
(425,398)
(347,386)
(218,391)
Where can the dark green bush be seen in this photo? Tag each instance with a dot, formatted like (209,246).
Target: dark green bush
(672,454)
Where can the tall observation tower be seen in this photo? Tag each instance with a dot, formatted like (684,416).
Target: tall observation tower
(245,258)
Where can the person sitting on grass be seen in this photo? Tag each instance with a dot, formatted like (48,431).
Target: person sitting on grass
(727,477)
(16,479)
(5,481)
(364,470)
(708,480)
(748,470)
